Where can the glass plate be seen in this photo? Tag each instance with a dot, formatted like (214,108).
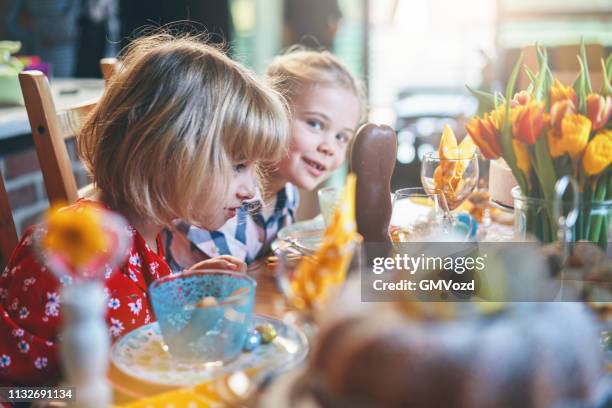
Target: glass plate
(140,354)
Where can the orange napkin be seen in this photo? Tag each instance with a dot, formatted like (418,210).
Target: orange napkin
(316,275)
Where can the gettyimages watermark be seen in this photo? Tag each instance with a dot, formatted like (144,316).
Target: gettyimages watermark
(493,272)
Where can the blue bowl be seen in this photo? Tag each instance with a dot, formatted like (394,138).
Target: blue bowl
(204,315)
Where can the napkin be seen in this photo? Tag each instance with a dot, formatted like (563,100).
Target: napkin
(316,275)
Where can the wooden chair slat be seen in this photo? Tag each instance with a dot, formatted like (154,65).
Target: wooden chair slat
(71,120)
(47,133)
(8,233)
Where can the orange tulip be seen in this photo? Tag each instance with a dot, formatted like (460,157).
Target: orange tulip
(599,109)
(485,132)
(521,98)
(528,123)
(558,92)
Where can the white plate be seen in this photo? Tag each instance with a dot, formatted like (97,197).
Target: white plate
(140,354)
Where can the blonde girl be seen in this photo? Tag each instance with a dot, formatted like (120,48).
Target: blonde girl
(179,133)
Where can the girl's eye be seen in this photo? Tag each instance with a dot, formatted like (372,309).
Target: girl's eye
(315,124)
(239,167)
(342,138)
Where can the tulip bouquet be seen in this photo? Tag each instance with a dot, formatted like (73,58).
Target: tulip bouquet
(552,130)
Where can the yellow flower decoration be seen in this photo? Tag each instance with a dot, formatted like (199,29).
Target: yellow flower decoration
(575,131)
(74,233)
(598,154)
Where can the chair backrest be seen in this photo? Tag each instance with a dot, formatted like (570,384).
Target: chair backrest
(8,233)
(50,129)
(108,66)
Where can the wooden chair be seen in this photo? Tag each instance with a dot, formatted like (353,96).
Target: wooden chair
(50,129)
(8,233)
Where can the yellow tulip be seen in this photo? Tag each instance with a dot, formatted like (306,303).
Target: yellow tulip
(558,92)
(555,145)
(575,131)
(598,154)
(522,156)
(573,137)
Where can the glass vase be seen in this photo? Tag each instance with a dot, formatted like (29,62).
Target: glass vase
(535,217)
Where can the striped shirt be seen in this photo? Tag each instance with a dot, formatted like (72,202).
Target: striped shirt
(247,236)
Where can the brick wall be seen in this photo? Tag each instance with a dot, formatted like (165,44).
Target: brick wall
(25,186)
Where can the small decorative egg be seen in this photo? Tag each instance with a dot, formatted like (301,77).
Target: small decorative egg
(268,333)
(253,340)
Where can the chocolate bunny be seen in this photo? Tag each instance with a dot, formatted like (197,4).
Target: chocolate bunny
(373,156)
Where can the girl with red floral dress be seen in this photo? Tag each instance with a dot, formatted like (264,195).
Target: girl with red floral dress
(178,133)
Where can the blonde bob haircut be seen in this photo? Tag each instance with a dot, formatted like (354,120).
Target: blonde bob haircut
(171,124)
(299,68)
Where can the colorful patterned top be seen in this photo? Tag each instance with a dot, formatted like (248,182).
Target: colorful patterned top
(30,298)
(247,236)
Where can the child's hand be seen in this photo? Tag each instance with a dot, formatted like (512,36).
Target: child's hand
(224,262)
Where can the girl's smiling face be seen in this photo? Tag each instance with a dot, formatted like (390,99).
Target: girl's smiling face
(324,121)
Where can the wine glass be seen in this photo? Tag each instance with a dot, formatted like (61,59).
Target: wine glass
(457,178)
(418,213)
(310,282)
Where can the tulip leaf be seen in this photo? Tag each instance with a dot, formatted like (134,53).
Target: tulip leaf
(486,100)
(506,131)
(545,168)
(585,66)
(541,79)
(606,88)
(580,87)
(532,78)
(543,62)
(499,99)
(609,65)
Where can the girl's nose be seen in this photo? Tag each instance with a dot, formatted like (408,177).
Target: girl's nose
(326,149)
(246,189)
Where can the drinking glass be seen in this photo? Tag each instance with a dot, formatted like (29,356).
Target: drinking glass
(418,213)
(328,198)
(310,293)
(457,178)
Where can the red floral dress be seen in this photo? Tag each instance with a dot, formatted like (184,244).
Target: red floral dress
(30,304)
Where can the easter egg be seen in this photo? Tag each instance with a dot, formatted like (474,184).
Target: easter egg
(253,340)
(267,332)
